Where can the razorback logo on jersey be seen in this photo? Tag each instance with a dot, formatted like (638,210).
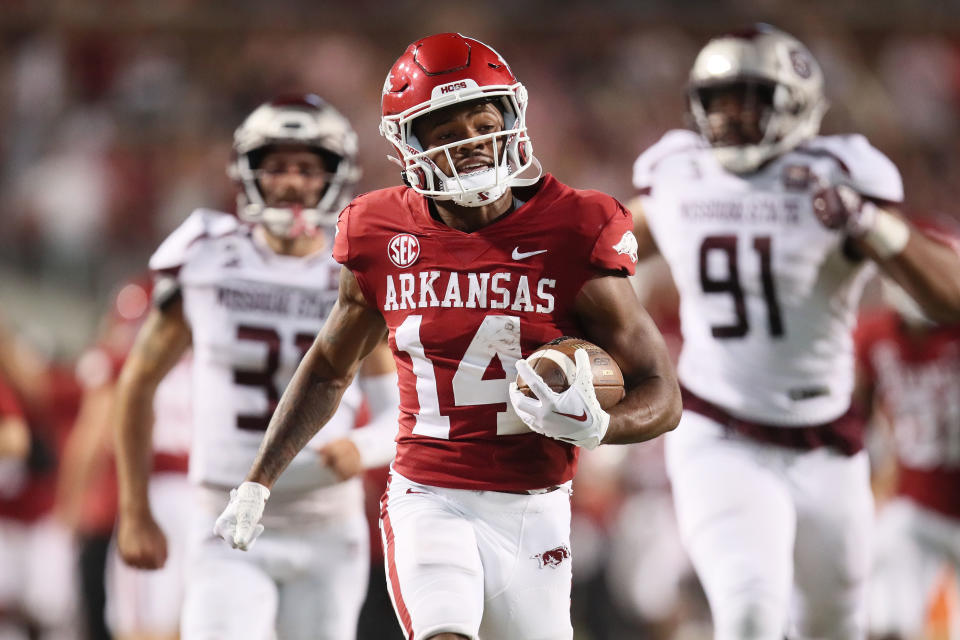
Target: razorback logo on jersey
(403,250)
(552,558)
(627,246)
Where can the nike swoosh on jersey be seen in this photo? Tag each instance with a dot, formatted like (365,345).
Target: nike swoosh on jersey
(580,418)
(520,255)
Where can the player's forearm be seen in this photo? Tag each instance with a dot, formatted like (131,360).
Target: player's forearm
(649,409)
(133,423)
(309,401)
(930,272)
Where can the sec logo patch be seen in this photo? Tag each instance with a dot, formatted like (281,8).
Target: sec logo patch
(403,250)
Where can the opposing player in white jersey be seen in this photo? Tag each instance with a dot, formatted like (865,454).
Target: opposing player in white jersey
(770,232)
(250,295)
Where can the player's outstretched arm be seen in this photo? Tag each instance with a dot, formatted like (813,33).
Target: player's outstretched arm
(160,344)
(928,269)
(614,319)
(349,334)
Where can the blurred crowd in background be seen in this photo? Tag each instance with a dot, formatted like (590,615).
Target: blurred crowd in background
(117,117)
(117,120)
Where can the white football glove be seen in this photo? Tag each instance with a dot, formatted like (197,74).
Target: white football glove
(573,416)
(239,524)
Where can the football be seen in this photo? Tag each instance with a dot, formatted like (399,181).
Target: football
(555,363)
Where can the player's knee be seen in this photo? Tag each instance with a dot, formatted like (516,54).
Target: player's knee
(833,622)
(750,619)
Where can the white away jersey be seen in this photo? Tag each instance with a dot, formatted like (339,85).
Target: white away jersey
(768,295)
(253,314)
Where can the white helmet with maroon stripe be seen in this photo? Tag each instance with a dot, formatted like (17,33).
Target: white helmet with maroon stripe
(299,120)
(781,82)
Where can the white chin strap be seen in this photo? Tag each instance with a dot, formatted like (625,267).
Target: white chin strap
(484,186)
(477,188)
(742,158)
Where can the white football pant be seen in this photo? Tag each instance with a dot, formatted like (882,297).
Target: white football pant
(780,538)
(141,602)
(483,564)
(303,581)
(38,576)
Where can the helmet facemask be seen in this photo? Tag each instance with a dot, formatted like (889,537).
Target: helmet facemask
(511,148)
(291,221)
(315,126)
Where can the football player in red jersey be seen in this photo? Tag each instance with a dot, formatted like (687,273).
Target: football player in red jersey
(472,266)
(909,371)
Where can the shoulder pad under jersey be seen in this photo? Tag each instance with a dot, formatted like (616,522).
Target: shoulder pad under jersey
(674,141)
(202,223)
(866,168)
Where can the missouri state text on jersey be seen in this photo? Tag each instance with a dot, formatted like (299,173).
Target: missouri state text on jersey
(768,295)
(462,308)
(252,315)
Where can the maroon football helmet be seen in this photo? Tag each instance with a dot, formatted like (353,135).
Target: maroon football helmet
(443,70)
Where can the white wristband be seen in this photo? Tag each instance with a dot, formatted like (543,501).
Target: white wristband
(888,235)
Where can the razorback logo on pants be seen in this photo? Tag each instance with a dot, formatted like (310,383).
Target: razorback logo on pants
(552,558)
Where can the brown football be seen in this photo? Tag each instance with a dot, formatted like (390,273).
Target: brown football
(555,363)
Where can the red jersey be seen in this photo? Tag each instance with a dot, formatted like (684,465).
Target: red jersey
(462,308)
(916,376)
(49,424)
(9,407)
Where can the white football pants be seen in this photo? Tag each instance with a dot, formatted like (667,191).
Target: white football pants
(780,538)
(483,564)
(306,580)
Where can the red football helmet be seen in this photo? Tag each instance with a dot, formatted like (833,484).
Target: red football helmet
(446,69)
(303,120)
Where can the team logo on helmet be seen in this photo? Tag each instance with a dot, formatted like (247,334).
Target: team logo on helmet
(627,246)
(403,250)
(552,558)
(801,63)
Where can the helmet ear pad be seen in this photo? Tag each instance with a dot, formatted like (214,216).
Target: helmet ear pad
(415,177)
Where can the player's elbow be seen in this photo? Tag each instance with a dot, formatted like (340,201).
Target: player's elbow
(674,409)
